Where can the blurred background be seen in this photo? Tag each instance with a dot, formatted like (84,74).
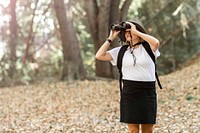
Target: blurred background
(51,40)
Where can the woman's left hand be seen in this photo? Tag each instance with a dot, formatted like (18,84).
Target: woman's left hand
(133,28)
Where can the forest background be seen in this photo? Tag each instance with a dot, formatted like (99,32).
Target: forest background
(51,40)
(51,82)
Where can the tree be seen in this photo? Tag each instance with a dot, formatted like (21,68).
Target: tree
(72,64)
(13,38)
(100,16)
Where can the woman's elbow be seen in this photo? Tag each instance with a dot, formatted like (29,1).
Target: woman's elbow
(98,57)
(157,43)
(103,57)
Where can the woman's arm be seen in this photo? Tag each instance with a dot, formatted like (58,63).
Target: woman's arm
(154,43)
(102,53)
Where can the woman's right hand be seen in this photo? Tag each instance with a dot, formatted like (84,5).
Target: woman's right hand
(102,53)
(113,34)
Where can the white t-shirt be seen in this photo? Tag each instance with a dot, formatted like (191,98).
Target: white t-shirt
(144,69)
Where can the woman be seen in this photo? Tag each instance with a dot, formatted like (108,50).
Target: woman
(138,103)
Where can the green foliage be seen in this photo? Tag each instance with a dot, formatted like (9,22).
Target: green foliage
(190,98)
(175,24)
(133,10)
(21,74)
(163,20)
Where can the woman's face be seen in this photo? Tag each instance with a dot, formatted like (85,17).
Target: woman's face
(128,36)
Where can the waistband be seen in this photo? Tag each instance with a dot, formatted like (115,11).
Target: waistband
(139,84)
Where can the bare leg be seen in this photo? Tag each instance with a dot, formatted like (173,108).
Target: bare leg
(147,128)
(133,128)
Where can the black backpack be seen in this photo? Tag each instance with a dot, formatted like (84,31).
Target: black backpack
(120,57)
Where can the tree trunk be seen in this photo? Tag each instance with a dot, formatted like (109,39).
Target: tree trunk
(13,38)
(72,65)
(99,19)
(103,69)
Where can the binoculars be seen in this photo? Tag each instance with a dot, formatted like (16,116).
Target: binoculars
(123,26)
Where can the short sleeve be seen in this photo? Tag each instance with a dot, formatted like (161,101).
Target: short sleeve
(114,53)
(157,53)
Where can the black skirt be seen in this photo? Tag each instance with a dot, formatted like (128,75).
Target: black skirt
(138,104)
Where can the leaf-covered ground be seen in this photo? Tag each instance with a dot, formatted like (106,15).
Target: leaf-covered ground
(93,106)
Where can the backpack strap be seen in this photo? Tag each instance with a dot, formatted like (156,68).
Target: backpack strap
(149,51)
(119,64)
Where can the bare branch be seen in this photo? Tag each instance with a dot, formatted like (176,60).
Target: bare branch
(124,9)
(30,36)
